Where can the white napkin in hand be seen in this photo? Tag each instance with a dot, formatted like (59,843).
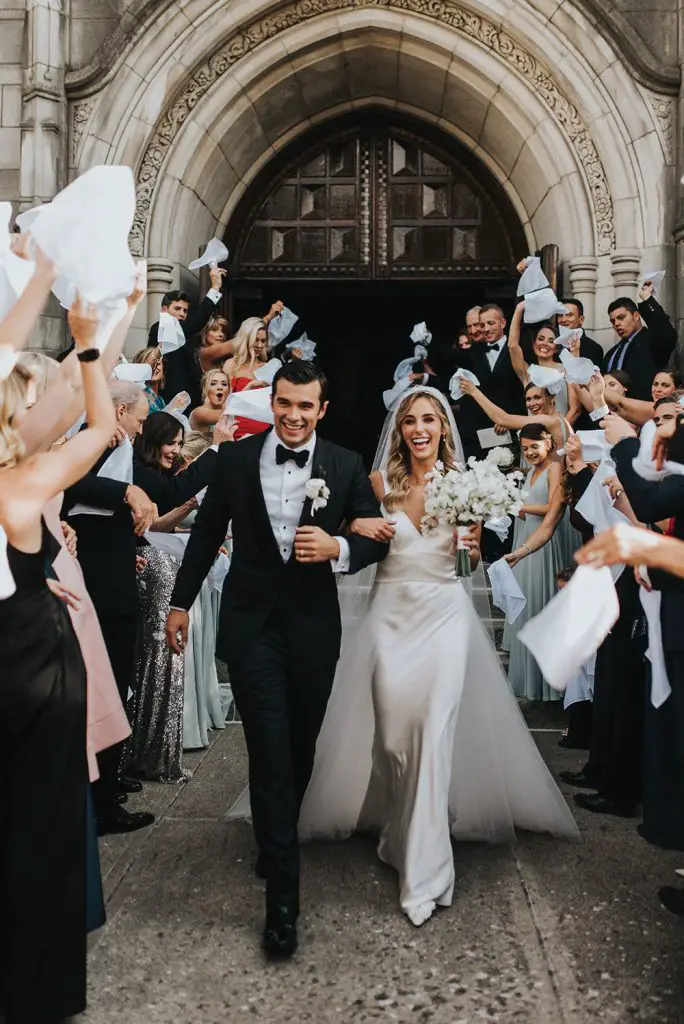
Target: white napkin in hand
(393,394)
(455,383)
(136,373)
(171,335)
(533,278)
(178,403)
(501,527)
(281,325)
(506,592)
(573,625)
(267,373)
(644,465)
(541,305)
(405,367)
(567,336)
(306,345)
(420,334)
(214,254)
(254,404)
(7,584)
(545,377)
(656,278)
(578,370)
(119,466)
(660,684)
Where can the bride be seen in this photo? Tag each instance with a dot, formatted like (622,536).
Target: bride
(423,740)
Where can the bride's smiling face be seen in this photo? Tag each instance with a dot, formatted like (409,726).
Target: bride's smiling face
(421,431)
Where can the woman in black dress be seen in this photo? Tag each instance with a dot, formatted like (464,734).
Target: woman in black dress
(43,717)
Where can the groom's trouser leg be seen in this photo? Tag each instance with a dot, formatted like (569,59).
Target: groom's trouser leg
(260,682)
(310,688)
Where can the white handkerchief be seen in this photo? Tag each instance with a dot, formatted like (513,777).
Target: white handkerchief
(200,496)
(533,278)
(656,278)
(7,584)
(254,404)
(119,466)
(85,229)
(137,373)
(545,377)
(405,367)
(183,420)
(307,347)
(644,465)
(393,394)
(268,372)
(501,527)
(15,273)
(660,684)
(173,544)
(595,448)
(506,593)
(8,360)
(171,335)
(218,572)
(581,686)
(567,336)
(541,305)
(488,438)
(578,370)
(420,334)
(178,403)
(214,254)
(573,625)
(455,383)
(281,325)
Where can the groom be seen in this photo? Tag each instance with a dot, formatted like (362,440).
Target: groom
(286,493)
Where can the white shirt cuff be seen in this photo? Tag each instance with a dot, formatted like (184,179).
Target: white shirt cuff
(343,561)
(599,414)
(214,295)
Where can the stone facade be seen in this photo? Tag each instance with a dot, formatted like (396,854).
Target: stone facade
(573,105)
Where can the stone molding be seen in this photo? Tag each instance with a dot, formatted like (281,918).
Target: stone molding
(664,111)
(80,116)
(245,40)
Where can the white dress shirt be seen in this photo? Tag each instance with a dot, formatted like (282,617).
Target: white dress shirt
(284,490)
(494,353)
(214,295)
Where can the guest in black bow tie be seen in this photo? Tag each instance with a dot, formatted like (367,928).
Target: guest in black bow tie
(287,493)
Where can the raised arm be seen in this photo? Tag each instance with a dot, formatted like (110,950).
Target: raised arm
(518,360)
(662,332)
(495,413)
(16,326)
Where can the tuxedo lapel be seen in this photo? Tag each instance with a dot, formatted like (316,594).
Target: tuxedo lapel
(320,470)
(255,492)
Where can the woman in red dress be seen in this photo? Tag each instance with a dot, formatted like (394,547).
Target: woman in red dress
(251,353)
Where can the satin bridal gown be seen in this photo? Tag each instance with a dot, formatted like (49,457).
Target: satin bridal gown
(423,740)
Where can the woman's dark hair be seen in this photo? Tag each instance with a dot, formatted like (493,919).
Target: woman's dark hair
(566,574)
(159,428)
(527,343)
(621,377)
(528,387)
(677,377)
(672,399)
(299,371)
(535,432)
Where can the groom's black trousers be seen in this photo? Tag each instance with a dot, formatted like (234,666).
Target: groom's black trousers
(281,686)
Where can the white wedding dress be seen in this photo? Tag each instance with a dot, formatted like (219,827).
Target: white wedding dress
(423,739)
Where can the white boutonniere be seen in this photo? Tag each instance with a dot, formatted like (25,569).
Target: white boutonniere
(318,493)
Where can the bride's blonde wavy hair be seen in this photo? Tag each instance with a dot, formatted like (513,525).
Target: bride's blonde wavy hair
(13,393)
(399,460)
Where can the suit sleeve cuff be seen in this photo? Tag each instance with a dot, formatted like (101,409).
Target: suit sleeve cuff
(214,295)
(599,414)
(343,561)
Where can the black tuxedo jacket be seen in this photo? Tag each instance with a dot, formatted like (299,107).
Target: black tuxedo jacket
(649,350)
(181,368)
(259,582)
(107,545)
(590,349)
(653,502)
(501,386)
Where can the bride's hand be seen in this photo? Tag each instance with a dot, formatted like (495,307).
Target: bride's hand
(374,529)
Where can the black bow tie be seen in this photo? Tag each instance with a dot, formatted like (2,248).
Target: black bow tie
(284,454)
(491,345)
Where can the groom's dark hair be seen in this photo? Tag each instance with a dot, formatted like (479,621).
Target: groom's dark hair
(299,371)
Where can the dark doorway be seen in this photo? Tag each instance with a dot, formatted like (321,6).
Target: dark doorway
(362,330)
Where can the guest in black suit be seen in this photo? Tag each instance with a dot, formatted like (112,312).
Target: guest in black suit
(182,370)
(107,550)
(574,320)
(643,348)
(279,628)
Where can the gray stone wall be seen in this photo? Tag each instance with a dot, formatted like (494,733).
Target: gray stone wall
(12,56)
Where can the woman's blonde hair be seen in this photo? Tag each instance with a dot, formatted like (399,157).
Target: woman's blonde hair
(399,459)
(206,380)
(216,321)
(42,369)
(13,393)
(243,342)
(150,355)
(194,445)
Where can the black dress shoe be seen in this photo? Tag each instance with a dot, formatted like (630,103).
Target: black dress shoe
(280,933)
(129,785)
(672,899)
(601,805)
(578,779)
(118,819)
(121,797)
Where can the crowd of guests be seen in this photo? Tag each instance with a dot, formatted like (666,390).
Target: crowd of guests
(105,464)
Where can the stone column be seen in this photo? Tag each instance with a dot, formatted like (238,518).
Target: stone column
(625,266)
(159,281)
(43,123)
(583,281)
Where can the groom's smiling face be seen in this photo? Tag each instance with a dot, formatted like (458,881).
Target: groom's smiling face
(297,409)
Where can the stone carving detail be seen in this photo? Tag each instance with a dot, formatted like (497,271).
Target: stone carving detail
(663,108)
(80,115)
(447,13)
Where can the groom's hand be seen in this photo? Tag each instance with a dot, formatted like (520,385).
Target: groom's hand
(177,625)
(315,545)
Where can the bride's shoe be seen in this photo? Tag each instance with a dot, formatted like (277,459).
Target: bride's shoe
(420,914)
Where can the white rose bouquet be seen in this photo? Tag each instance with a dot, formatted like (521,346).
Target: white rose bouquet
(472,494)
